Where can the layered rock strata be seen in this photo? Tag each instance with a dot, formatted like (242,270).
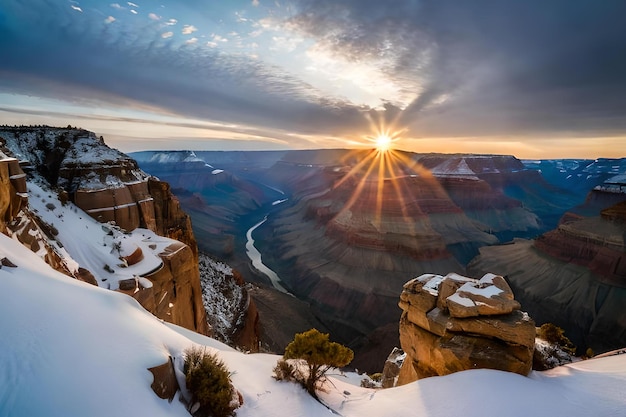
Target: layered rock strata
(455,323)
(575,275)
(75,165)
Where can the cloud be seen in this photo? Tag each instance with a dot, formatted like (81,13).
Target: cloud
(131,4)
(127,62)
(453,68)
(488,67)
(189,29)
(109,19)
(78,9)
(255,3)
(191,41)
(133,11)
(154,16)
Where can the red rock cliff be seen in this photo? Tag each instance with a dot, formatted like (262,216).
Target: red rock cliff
(109,186)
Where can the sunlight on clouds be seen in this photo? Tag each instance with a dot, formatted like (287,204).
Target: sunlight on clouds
(191,41)
(286,44)
(362,82)
(218,38)
(167,35)
(189,29)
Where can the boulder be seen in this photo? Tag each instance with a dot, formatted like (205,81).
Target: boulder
(165,384)
(392,367)
(466,324)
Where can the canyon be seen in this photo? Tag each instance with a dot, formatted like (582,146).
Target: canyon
(343,231)
(353,226)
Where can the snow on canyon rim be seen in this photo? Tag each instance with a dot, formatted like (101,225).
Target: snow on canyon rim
(72,349)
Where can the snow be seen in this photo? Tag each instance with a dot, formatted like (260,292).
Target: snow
(464,301)
(454,167)
(224,300)
(431,282)
(92,245)
(487,292)
(72,349)
(617,179)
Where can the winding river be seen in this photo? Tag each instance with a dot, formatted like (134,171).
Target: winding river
(255,256)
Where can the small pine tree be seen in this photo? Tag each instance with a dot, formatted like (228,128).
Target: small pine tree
(208,381)
(318,354)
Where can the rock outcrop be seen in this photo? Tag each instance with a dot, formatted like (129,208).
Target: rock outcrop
(455,323)
(74,165)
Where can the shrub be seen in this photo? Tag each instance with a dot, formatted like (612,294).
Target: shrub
(554,334)
(284,371)
(208,381)
(316,354)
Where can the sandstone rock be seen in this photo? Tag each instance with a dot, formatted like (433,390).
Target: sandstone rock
(516,327)
(392,367)
(477,326)
(490,295)
(86,276)
(7,262)
(129,284)
(165,384)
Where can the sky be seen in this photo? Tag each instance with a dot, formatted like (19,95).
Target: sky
(533,78)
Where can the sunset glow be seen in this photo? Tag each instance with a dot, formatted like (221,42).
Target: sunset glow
(261,75)
(383,143)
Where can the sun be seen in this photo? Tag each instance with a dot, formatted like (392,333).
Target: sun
(383,142)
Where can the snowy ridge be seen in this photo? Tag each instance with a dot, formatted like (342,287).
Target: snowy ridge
(454,167)
(31,144)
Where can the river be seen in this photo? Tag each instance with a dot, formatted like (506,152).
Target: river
(255,256)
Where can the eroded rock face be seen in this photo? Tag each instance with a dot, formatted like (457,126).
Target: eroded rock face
(455,323)
(575,275)
(109,186)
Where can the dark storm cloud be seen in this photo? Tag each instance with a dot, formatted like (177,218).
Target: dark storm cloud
(490,66)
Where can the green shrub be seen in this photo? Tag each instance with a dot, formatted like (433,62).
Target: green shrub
(554,334)
(284,371)
(208,381)
(316,355)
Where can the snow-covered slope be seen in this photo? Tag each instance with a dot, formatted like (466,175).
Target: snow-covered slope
(73,349)
(94,245)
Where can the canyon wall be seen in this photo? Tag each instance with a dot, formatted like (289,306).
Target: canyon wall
(77,166)
(573,276)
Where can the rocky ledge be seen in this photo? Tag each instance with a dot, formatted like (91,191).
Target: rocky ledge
(455,323)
